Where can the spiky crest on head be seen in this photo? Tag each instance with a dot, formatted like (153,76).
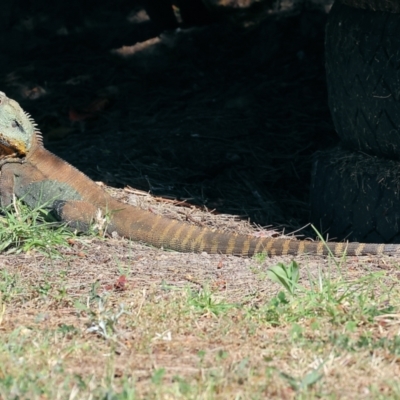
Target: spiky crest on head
(38,134)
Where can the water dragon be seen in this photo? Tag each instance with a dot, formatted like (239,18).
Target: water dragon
(35,175)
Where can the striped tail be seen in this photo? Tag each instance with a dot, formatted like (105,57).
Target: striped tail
(161,232)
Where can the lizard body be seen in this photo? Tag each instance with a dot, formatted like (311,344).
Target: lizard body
(35,175)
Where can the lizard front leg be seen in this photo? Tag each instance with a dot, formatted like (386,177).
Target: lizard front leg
(7,180)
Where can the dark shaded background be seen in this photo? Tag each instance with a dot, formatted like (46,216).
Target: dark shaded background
(225,115)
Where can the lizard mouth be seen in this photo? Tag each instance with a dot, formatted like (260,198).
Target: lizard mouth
(8,148)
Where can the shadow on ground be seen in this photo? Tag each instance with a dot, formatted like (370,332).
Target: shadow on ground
(224,116)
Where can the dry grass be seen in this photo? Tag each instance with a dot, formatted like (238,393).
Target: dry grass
(172,342)
(115,318)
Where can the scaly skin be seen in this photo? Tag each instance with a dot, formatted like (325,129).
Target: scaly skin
(39,177)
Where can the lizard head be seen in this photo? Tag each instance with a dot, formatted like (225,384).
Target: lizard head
(17,128)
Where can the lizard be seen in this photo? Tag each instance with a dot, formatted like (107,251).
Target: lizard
(32,173)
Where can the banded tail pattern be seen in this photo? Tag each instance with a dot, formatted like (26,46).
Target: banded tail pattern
(179,236)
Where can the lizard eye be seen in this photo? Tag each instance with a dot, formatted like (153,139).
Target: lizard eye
(16,124)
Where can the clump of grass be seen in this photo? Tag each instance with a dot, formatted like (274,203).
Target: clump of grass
(23,229)
(103,319)
(325,294)
(286,275)
(206,302)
